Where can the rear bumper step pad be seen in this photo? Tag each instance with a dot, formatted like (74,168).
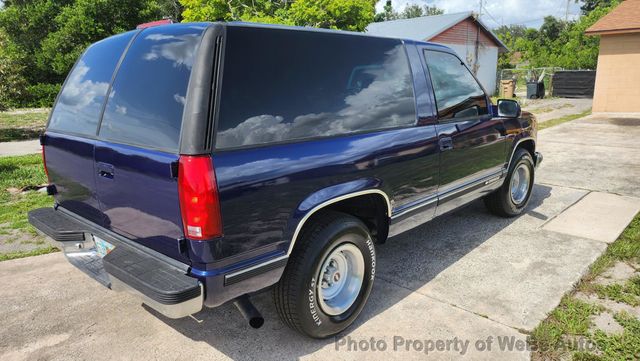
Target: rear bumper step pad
(149,276)
(162,286)
(56,225)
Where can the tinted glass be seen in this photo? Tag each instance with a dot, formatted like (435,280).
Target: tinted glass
(80,102)
(147,98)
(281,85)
(458,94)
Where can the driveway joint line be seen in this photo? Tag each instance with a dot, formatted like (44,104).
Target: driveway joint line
(565,208)
(588,190)
(486,317)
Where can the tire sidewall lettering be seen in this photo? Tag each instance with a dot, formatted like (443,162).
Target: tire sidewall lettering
(313,306)
(372,253)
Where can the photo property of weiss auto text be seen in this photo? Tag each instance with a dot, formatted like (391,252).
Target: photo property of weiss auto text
(320,180)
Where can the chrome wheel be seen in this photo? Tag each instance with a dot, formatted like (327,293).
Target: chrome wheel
(520,184)
(340,279)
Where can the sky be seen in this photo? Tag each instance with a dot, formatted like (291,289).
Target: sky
(529,13)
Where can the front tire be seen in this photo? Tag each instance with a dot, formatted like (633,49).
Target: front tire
(512,197)
(329,276)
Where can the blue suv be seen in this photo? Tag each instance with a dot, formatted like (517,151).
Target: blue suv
(197,164)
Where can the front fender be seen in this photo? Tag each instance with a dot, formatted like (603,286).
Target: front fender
(520,130)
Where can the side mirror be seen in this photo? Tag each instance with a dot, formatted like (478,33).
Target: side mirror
(508,108)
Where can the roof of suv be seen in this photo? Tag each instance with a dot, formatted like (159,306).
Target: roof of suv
(168,28)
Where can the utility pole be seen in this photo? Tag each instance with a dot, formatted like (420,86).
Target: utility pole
(477,42)
(566,13)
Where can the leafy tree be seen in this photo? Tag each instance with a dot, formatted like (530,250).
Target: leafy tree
(86,21)
(562,44)
(352,15)
(26,24)
(387,14)
(12,86)
(590,5)
(409,12)
(167,8)
(505,32)
(552,27)
(508,34)
(47,36)
(415,11)
(228,10)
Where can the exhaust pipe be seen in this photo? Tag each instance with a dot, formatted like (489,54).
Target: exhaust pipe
(249,311)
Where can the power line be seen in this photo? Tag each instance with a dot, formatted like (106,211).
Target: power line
(501,23)
(492,18)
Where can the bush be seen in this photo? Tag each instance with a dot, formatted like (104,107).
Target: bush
(12,85)
(40,95)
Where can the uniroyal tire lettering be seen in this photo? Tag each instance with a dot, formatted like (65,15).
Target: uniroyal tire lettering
(312,303)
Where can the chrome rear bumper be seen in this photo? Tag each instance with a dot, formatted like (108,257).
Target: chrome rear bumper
(161,285)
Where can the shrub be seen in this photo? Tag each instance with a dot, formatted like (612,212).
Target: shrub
(40,95)
(12,86)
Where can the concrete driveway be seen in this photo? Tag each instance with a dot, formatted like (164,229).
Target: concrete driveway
(552,108)
(465,285)
(23,147)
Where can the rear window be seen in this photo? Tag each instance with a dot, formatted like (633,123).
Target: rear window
(281,85)
(81,100)
(148,95)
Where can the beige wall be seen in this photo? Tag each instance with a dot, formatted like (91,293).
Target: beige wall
(618,74)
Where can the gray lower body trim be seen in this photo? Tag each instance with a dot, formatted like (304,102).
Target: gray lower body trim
(470,186)
(423,203)
(442,196)
(414,215)
(255,270)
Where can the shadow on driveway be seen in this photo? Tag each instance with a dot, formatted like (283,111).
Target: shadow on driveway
(420,255)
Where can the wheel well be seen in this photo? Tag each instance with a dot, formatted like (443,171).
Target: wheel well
(529,145)
(371,209)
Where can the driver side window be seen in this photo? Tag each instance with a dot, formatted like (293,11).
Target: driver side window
(458,94)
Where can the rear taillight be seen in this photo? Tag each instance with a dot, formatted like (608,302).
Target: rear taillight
(198,193)
(44,163)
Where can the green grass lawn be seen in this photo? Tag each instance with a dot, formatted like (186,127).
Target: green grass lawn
(22,126)
(571,318)
(558,121)
(17,173)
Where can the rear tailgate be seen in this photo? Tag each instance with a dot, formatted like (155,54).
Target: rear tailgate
(137,150)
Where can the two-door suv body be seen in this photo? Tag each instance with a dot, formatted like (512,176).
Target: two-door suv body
(195,164)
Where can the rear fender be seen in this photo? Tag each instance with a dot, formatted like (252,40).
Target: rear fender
(330,195)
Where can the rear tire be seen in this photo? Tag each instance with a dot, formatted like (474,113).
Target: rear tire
(329,276)
(512,197)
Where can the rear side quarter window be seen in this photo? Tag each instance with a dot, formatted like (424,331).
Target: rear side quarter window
(81,100)
(282,85)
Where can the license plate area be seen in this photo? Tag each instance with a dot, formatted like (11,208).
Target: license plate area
(87,257)
(102,247)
